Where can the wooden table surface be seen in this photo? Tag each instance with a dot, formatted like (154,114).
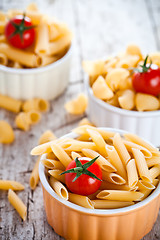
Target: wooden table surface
(100,28)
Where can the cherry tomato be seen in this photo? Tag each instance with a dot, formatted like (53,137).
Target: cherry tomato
(147,80)
(20,32)
(84,184)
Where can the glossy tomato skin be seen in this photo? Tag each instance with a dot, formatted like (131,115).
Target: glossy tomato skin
(28,35)
(84,185)
(147,82)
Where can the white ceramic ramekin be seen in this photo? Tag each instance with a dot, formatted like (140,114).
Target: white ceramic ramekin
(45,82)
(102,114)
(77,223)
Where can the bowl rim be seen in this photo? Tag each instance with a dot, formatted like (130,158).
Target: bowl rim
(39,69)
(102,212)
(120,111)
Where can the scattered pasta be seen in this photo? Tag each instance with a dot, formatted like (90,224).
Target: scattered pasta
(130,167)
(77,105)
(6,132)
(111,80)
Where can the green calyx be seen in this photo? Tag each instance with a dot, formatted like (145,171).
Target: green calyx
(144,68)
(20,28)
(82,169)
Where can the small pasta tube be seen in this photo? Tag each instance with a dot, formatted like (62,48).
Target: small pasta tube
(132,173)
(25,58)
(153,161)
(56,174)
(101,90)
(99,141)
(129,145)
(74,145)
(60,44)
(111,186)
(34,178)
(121,149)
(42,43)
(106,204)
(43,148)
(80,200)
(147,192)
(61,154)
(47,136)
(116,161)
(52,164)
(6,132)
(118,195)
(127,99)
(141,165)
(74,155)
(37,104)
(17,203)
(10,104)
(146,102)
(85,121)
(3,59)
(45,60)
(59,188)
(155,171)
(113,178)
(101,161)
(22,121)
(33,117)
(114,77)
(77,105)
(142,185)
(9,184)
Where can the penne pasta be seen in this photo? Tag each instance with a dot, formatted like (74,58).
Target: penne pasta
(42,40)
(43,148)
(61,154)
(129,145)
(141,165)
(59,188)
(34,178)
(37,104)
(82,201)
(17,203)
(3,59)
(121,149)
(74,155)
(60,44)
(147,192)
(9,184)
(113,178)
(6,133)
(117,195)
(155,171)
(101,161)
(56,174)
(10,104)
(132,173)
(85,121)
(52,164)
(153,161)
(111,186)
(106,204)
(47,136)
(142,185)
(73,145)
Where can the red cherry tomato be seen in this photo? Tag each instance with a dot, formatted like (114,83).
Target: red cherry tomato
(147,81)
(85,184)
(20,32)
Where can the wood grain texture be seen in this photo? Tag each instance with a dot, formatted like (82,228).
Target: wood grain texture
(100,28)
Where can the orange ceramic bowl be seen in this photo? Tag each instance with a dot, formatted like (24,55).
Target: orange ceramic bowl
(78,223)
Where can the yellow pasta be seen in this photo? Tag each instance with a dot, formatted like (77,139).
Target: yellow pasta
(121,149)
(132,173)
(101,90)
(61,154)
(9,184)
(10,104)
(3,59)
(34,178)
(3,17)
(99,141)
(74,155)
(93,68)
(60,44)
(129,145)
(113,178)
(155,171)
(22,121)
(45,60)
(78,145)
(43,148)
(147,192)
(2,39)
(85,121)
(133,49)
(17,65)
(6,133)
(146,102)
(77,105)
(118,195)
(142,185)
(59,188)
(101,161)
(153,161)
(106,204)
(33,117)
(47,136)
(116,161)
(23,57)
(56,174)
(52,164)
(112,186)
(37,104)
(141,165)
(17,203)
(42,40)
(127,99)
(82,201)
